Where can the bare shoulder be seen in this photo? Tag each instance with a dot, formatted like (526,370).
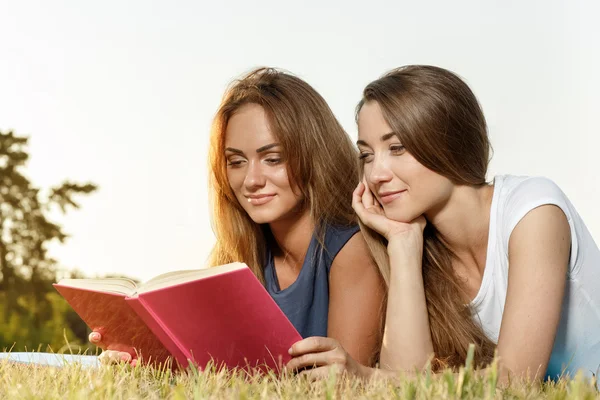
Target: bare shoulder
(546,226)
(354,256)
(540,241)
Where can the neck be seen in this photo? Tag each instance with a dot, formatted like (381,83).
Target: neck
(463,223)
(292,237)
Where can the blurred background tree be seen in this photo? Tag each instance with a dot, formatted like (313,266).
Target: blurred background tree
(32,313)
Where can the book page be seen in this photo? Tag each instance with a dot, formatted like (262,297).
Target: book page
(51,359)
(111,285)
(128,287)
(177,277)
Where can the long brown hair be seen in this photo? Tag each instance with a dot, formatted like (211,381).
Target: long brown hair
(321,162)
(440,122)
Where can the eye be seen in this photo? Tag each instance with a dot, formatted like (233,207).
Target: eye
(273,160)
(365,157)
(235,162)
(397,149)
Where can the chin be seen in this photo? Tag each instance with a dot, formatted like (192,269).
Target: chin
(399,216)
(260,219)
(264,217)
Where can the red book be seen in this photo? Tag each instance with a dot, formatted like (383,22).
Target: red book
(223,314)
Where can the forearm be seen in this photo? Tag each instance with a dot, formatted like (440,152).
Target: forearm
(360,343)
(363,351)
(356,295)
(362,340)
(407,338)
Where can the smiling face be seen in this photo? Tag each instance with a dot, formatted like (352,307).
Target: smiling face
(404,187)
(257,168)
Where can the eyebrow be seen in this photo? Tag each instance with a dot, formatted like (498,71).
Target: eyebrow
(267,147)
(259,150)
(236,151)
(385,137)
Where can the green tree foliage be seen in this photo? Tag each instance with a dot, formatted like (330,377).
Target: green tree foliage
(32,314)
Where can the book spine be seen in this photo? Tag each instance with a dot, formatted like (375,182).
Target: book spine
(160,330)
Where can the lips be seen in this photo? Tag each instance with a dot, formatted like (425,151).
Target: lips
(259,199)
(388,197)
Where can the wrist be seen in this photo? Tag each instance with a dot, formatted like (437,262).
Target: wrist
(400,247)
(365,372)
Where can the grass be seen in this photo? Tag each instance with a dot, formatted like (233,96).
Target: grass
(21,381)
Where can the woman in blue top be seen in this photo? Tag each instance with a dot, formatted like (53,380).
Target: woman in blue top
(507,265)
(282,172)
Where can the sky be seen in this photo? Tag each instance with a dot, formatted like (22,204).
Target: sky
(123,94)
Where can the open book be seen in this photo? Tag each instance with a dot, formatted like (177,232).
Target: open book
(223,314)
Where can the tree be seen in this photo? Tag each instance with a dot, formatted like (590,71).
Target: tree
(26,270)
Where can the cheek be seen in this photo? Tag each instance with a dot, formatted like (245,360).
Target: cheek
(366,169)
(431,189)
(235,180)
(286,189)
(279,177)
(369,179)
(372,187)
(407,169)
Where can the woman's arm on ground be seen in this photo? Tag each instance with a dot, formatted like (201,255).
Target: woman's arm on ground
(356,296)
(538,252)
(407,343)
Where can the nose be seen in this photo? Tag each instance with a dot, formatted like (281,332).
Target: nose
(254,176)
(379,172)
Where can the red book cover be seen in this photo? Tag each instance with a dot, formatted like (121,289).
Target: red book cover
(228,318)
(121,327)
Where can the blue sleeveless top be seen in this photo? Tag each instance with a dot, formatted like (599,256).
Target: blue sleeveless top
(306,301)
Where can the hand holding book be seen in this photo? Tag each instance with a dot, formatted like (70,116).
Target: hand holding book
(115,353)
(221,314)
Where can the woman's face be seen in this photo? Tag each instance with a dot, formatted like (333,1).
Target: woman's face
(257,167)
(404,187)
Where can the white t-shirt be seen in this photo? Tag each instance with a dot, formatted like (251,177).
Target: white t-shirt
(577,342)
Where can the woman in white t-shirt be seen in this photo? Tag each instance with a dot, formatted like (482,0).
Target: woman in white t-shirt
(444,239)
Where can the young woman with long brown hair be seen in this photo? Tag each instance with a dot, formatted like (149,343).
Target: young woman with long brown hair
(444,238)
(282,173)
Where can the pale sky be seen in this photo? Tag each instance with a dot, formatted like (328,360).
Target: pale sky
(122,93)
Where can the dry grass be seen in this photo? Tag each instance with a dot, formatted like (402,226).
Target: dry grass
(21,381)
